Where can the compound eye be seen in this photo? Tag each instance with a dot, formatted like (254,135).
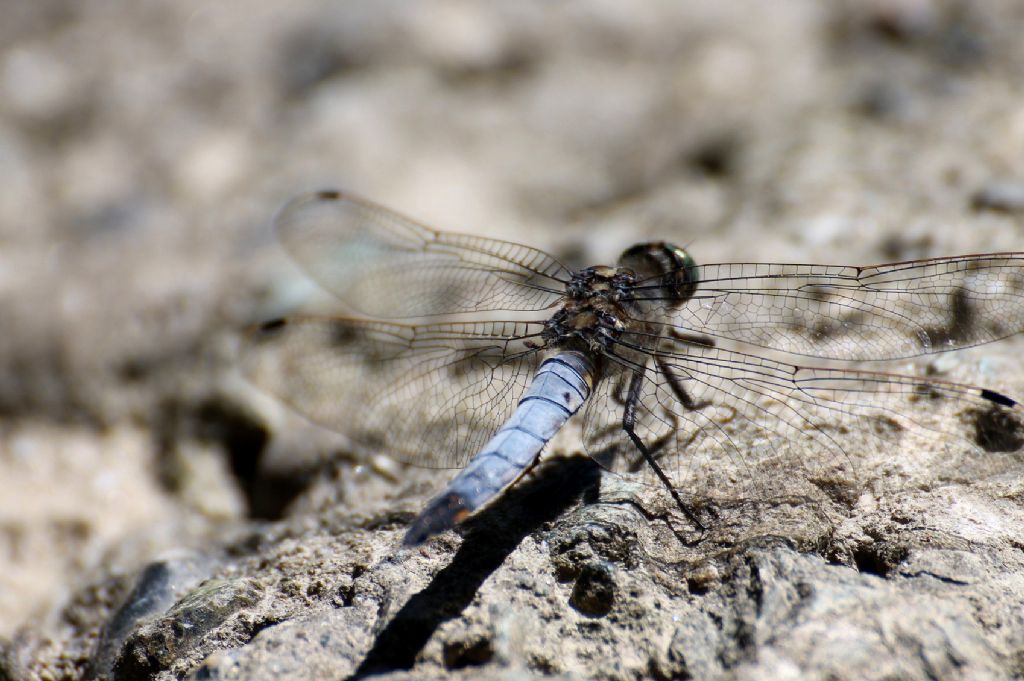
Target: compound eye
(684,274)
(663,271)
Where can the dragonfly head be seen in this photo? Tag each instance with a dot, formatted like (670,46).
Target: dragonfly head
(663,271)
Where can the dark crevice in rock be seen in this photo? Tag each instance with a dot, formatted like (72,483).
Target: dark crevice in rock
(220,422)
(459,655)
(996,429)
(878,559)
(593,594)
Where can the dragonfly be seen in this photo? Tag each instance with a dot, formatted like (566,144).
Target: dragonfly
(711,381)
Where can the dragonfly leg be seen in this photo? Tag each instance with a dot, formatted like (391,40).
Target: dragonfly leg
(692,338)
(629,425)
(619,390)
(676,386)
(655,449)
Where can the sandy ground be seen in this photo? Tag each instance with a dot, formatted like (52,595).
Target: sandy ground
(144,148)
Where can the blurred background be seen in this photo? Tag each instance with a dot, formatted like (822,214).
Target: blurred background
(145,146)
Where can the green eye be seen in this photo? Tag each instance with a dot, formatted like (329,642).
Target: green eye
(683,274)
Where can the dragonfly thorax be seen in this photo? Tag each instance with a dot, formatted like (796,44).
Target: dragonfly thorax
(595,310)
(600,282)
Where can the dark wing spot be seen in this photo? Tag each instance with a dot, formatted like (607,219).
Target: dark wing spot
(328,195)
(997,398)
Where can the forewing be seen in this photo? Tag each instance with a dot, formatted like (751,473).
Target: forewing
(730,426)
(430,395)
(881,312)
(384,265)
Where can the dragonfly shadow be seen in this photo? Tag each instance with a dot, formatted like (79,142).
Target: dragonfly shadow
(489,539)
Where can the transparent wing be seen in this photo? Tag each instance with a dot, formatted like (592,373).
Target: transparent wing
(384,265)
(728,425)
(881,312)
(430,395)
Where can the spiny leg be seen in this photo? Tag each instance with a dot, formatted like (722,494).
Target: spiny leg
(655,448)
(680,394)
(676,386)
(629,425)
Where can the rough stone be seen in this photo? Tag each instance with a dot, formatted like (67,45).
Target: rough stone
(159,518)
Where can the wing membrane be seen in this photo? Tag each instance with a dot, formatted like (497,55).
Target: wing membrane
(430,395)
(882,312)
(730,425)
(387,266)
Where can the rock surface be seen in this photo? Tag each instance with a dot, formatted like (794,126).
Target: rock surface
(161,519)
